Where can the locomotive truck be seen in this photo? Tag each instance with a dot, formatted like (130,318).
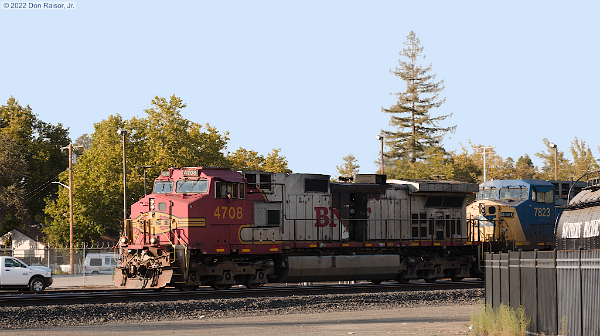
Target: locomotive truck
(217,227)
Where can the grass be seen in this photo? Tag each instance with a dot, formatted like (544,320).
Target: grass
(503,321)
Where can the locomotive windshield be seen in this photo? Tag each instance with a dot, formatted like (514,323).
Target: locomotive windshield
(192,186)
(163,187)
(513,193)
(487,193)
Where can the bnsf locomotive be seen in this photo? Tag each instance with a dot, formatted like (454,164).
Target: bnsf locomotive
(212,226)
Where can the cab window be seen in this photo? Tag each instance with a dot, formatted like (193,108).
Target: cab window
(191,186)
(487,193)
(163,187)
(225,189)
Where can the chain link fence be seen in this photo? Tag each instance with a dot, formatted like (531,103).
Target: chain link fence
(88,260)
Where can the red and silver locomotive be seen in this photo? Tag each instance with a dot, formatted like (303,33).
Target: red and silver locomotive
(213,226)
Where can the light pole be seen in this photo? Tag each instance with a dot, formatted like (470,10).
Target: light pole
(380,138)
(144,168)
(484,161)
(70,187)
(123,132)
(553,145)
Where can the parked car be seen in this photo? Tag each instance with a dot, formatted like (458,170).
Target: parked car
(99,263)
(15,274)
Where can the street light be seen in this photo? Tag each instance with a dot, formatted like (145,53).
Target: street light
(380,138)
(123,132)
(70,187)
(553,145)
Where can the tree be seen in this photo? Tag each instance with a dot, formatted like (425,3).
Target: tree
(525,168)
(583,159)
(349,168)
(245,160)
(162,139)
(417,130)
(248,160)
(565,171)
(13,211)
(39,144)
(276,163)
(84,140)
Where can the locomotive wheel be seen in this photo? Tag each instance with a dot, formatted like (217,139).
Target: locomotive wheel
(376,282)
(403,281)
(184,288)
(220,286)
(252,285)
(430,280)
(456,279)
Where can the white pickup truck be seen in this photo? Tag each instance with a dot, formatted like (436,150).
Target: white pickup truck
(15,274)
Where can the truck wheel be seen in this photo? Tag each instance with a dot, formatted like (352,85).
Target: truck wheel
(37,284)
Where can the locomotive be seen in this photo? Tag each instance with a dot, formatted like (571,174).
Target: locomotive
(217,227)
(520,214)
(579,225)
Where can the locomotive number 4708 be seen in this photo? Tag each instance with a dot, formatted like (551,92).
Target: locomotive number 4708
(230,212)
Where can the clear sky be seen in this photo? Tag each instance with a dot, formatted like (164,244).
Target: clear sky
(310,77)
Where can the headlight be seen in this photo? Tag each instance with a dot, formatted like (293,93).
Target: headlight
(152,204)
(123,240)
(154,240)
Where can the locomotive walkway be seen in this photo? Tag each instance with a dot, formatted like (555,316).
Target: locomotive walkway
(78,280)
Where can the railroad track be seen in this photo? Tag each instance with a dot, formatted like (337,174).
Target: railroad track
(13,299)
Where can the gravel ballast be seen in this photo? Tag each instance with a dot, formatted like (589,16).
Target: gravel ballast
(136,312)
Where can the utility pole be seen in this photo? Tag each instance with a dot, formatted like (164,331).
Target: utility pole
(484,160)
(71,252)
(123,132)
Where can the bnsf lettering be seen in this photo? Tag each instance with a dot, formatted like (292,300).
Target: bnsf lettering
(322,216)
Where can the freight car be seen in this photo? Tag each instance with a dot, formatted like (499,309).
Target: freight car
(579,224)
(212,226)
(519,214)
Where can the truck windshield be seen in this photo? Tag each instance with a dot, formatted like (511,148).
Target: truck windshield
(163,187)
(192,186)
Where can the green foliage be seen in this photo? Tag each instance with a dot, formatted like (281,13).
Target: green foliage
(583,159)
(39,145)
(162,139)
(525,168)
(503,321)
(248,160)
(437,164)
(565,171)
(417,130)
(349,168)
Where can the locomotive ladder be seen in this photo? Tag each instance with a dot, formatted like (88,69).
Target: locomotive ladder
(177,270)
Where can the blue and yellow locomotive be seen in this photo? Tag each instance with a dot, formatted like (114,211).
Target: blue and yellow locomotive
(519,214)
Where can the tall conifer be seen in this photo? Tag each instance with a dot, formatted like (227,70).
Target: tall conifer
(416,130)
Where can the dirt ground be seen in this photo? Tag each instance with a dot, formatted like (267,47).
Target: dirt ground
(440,320)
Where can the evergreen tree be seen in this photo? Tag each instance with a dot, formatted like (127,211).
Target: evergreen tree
(416,130)
(349,168)
(525,168)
